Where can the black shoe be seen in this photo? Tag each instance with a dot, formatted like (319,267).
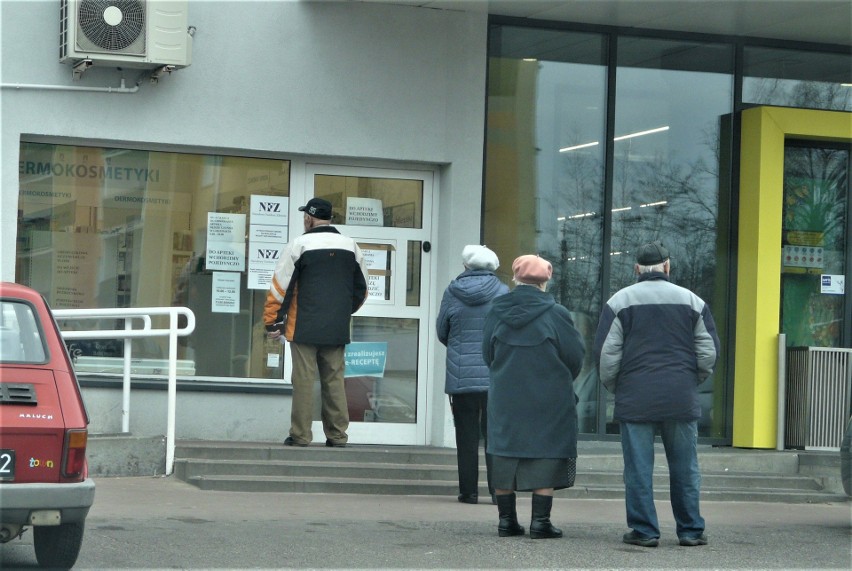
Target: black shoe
(469,498)
(693,541)
(540,526)
(508,526)
(332,444)
(634,538)
(289,441)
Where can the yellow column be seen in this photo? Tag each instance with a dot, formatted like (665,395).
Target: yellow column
(764,130)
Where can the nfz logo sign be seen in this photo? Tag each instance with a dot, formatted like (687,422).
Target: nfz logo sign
(268,253)
(270,207)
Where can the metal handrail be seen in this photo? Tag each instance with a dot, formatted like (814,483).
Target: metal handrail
(128,334)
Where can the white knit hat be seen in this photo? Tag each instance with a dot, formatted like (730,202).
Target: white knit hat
(477,257)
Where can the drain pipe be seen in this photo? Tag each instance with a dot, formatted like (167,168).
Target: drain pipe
(121,89)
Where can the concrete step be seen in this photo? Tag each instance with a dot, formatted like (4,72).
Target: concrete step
(337,485)
(191,468)
(727,474)
(590,457)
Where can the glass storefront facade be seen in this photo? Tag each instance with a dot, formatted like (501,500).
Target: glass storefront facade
(598,142)
(109,227)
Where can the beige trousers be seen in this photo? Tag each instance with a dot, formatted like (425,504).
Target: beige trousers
(325,362)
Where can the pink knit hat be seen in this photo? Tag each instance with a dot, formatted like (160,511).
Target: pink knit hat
(531,269)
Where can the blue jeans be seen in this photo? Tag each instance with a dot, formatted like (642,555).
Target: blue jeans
(680,440)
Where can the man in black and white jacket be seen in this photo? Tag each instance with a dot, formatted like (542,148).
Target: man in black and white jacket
(655,343)
(319,282)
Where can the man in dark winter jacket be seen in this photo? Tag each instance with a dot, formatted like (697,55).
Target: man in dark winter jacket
(465,303)
(319,282)
(655,343)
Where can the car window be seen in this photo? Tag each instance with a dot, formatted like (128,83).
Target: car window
(20,336)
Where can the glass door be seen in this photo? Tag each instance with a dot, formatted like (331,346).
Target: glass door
(388,212)
(815,309)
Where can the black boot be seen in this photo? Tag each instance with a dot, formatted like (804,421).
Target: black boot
(541,528)
(508,516)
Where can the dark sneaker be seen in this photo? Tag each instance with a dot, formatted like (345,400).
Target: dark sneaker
(290,442)
(634,538)
(332,444)
(693,541)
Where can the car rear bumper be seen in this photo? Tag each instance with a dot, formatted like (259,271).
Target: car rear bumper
(73,500)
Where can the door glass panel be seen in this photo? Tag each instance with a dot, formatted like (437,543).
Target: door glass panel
(412,278)
(381,371)
(816,190)
(366,201)
(380,262)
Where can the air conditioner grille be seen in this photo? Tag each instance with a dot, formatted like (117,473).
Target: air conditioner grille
(112,25)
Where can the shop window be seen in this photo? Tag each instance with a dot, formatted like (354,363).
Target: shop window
(107,227)
(544,171)
(672,106)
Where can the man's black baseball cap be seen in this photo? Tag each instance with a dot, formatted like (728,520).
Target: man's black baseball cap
(318,208)
(652,253)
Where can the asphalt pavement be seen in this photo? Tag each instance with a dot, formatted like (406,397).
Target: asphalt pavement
(164,523)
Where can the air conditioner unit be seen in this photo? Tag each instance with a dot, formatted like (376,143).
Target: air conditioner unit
(146,34)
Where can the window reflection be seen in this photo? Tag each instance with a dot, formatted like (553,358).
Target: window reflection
(109,227)
(545,170)
(670,101)
(796,78)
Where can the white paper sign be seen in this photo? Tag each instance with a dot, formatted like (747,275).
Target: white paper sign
(225,297)
(226,227)
(364,212)
(376,259)
(270,210)
(266,233)
(226,256)
(832,284)
(262,258)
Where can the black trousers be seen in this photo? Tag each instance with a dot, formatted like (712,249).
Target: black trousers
(471,420)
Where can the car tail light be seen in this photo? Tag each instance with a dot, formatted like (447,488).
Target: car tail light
(74,453)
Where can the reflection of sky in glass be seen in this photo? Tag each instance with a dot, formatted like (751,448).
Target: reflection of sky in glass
(570,110)
(677,167)
(794,93)
(688,102)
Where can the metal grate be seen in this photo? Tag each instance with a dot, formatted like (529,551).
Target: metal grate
(819,393)
(18,393)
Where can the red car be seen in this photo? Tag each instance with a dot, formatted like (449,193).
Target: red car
(44,481)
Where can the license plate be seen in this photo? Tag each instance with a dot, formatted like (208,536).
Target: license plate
(7,464)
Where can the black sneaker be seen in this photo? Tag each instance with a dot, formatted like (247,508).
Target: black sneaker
(332,444)
(693,541)
(634,538)
(290,442)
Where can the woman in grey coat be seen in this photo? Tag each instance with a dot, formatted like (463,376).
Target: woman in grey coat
(534,353)
(466,301)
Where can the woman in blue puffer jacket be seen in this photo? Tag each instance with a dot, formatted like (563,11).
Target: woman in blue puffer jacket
(465,303)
